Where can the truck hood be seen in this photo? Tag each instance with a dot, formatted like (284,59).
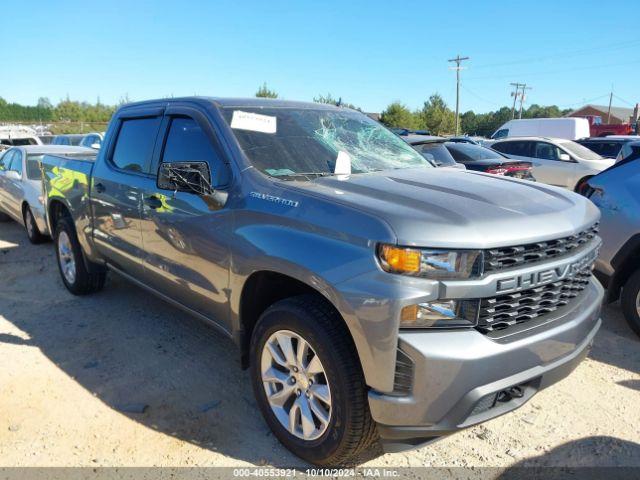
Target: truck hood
(458,209)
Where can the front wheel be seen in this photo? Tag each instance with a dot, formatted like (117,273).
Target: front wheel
(309,384)
(630,301)
(78,279)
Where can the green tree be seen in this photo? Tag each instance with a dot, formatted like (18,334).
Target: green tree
(264,92)
(330,100)
(399,116)
(436,116)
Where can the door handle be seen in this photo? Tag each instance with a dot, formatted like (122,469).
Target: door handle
(99,187)
(153,202)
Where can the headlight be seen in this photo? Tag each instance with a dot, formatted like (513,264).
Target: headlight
(430,263)
(440,314)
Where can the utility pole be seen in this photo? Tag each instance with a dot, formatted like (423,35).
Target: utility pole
(524,87)
(609,111)
(515,97)
(457,68)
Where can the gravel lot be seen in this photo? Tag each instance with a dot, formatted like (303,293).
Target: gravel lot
(122,379)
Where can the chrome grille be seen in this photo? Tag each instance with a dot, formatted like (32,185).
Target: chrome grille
(505,310)
(496,259)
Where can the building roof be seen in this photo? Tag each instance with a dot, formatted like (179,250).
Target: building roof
(623,113)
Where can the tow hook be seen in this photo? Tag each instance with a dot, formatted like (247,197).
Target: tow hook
(509,394)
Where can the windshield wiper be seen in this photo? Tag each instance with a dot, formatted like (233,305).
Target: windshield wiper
(307,175)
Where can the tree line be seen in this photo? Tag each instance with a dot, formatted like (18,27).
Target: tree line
(65,111)
(434,115)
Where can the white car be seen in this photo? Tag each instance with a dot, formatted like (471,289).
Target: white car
(92,140)
(555,161)
(21,185)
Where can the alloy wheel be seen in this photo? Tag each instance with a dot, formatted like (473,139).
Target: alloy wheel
(65,257)
(296,385)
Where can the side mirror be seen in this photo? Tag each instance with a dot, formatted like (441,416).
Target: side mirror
(95,146)
(192,177)
(565,157)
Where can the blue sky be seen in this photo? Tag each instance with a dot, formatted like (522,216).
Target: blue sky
(368,52)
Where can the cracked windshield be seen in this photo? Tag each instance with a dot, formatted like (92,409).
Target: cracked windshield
(308,143)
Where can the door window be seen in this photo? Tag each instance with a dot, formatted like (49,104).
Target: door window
(187,142)
(134,145)
(514,148)
(501,133)
(546,151)
(16,162)
(5,160)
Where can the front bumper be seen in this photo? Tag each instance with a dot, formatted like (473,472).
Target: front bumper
(458,374)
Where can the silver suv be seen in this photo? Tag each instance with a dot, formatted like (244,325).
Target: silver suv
(617,193)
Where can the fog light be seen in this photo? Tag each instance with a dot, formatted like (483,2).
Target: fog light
(437,314)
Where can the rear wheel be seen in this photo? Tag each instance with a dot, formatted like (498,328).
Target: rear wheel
(631,301)
(309,384)
(33,233)
(78,279)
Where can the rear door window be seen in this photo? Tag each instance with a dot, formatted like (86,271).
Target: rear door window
(514,148)
(33,167)
(134,144)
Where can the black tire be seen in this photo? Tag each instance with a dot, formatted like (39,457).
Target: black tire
(630,295)
(351,434)
(33,233)
(86,280)
(4,217)
(582,183)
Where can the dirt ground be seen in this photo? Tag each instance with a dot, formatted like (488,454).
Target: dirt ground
(122,379)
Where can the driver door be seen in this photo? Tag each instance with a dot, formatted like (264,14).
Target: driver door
(185,236)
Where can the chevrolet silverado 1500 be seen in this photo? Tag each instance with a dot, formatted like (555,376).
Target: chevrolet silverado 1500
(376,300)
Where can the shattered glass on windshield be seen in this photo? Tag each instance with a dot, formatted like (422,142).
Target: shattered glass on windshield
(309,143)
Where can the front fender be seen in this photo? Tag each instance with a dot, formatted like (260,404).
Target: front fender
(331,265)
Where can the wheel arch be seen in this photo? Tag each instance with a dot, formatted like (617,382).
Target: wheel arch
(262,289)
(581,182)
(625,262)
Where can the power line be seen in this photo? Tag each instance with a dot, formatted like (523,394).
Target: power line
(457,68)
(624,101)
(583,51)
(554,72)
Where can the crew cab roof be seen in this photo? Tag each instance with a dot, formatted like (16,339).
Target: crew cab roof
(237,102)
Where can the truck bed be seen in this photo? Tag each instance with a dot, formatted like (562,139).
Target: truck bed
(67,179)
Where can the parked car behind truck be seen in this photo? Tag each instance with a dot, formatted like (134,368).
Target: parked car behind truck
(21,185)
(373,297)
(555,161)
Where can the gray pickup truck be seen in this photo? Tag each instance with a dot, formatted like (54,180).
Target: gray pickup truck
(377,301)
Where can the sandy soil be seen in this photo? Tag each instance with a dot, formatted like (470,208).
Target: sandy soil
(122,379)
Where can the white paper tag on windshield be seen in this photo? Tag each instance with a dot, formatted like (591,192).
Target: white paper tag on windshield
(253,122)
(343,164)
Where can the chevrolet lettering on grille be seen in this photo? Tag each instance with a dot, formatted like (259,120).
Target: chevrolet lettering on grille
(548,275)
